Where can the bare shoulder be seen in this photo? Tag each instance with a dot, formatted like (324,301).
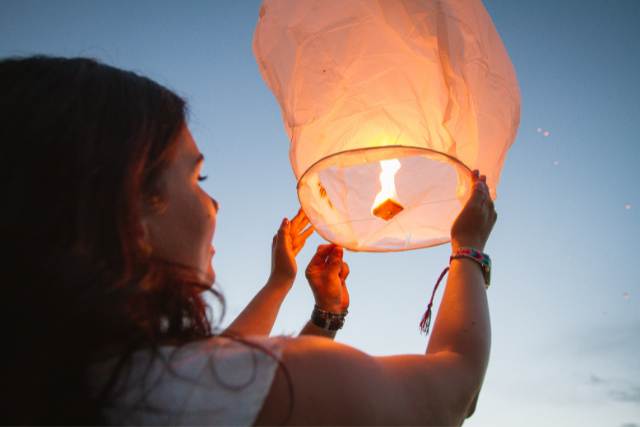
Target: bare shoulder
(329,383)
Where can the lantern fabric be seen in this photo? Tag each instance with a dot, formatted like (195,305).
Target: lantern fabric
(424,89)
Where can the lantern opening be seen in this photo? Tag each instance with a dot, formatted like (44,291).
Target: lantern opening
(385,198)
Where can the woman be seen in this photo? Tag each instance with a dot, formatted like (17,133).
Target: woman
(109,238)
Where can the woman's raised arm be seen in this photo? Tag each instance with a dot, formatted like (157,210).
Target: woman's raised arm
(334,384)
(260,314)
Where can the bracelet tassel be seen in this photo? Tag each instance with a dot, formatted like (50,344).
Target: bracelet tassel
(426,319)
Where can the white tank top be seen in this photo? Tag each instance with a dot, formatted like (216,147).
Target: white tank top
(217,381)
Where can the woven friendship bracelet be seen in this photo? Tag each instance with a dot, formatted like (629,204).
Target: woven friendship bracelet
(485,264)
(481,258)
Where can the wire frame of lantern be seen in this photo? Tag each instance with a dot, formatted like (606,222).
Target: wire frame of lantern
(389,105)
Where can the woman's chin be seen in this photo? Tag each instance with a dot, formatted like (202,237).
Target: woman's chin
(211,275)
(207,277)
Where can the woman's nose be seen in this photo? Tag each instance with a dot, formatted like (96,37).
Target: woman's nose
(215,204)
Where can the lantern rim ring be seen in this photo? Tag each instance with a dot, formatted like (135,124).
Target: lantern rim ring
(454,162)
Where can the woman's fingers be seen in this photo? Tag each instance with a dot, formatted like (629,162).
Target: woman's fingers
(301,233)
(479,194)
(320,255)
(282,230)
(477,179)
(300,239)
(301,225)
(307,232)
(334,262)
(299,221)
(298,215)
(292,233)
(285,227)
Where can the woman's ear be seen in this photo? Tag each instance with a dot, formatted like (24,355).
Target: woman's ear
(142,235)
(147,210)
(150,207)
(142,228)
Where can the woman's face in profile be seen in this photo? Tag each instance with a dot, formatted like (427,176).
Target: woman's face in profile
(183,231)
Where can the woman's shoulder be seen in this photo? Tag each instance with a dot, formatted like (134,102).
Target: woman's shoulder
(225,346)
(218,345)
(220,379)
(227,357)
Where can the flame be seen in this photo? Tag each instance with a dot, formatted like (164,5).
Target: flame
(387,181)
(384,204)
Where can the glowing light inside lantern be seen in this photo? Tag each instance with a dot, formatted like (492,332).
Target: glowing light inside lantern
(385,205)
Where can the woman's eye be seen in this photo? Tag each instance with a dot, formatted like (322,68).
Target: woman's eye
(202,178)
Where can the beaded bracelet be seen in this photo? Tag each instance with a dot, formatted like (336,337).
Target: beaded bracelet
(328,320)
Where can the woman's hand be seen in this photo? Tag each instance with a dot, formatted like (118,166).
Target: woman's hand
(285,246)
(475,222)
(327,274)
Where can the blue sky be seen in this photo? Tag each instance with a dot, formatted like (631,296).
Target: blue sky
(565,290)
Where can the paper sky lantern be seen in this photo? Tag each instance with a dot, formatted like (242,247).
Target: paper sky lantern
(389,105)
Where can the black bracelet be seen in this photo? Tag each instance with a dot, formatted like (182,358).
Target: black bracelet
(327,320)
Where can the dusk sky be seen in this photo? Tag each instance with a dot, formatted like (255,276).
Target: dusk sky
(565,292)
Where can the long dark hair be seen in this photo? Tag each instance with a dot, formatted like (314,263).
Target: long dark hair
(83,143)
